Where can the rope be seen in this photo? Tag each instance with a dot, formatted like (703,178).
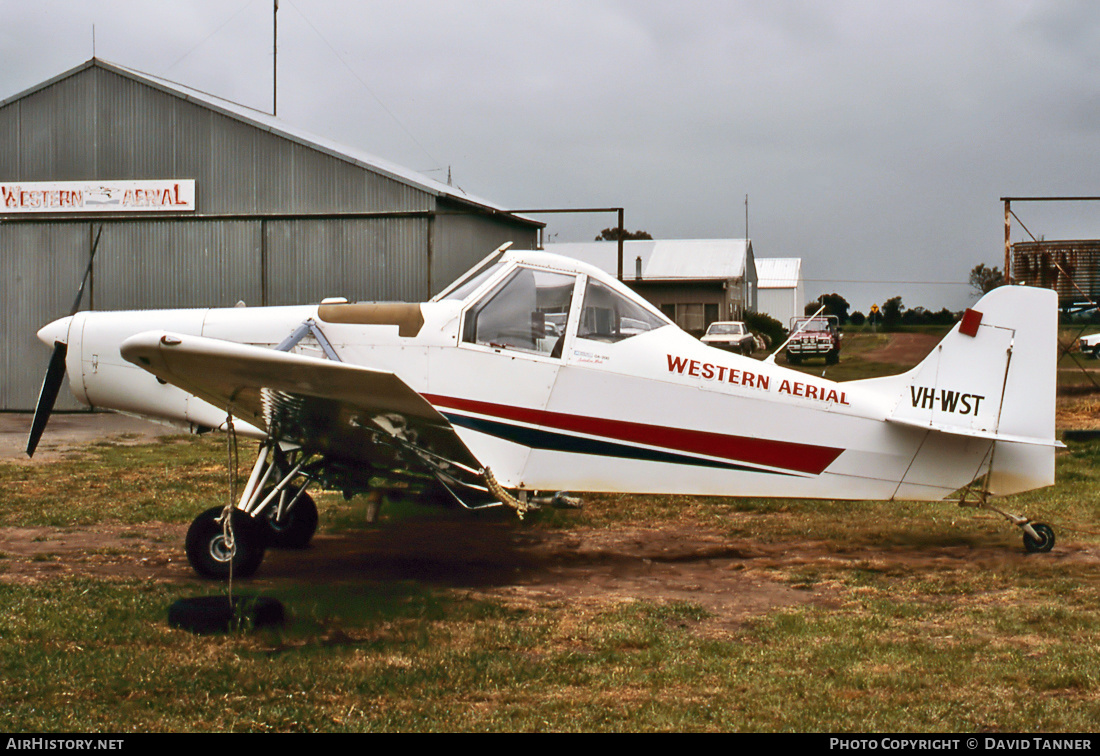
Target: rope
(232,463)
(503,496)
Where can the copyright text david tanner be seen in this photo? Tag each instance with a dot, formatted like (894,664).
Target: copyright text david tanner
(956,743)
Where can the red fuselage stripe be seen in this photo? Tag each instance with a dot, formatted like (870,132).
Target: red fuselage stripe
(785,455)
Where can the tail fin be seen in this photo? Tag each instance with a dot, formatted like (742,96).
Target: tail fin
(993,377)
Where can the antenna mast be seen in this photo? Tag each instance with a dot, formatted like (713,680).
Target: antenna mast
(275,59)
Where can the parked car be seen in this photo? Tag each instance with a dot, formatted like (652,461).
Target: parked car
(814,337)
(1090,344)
(731,335)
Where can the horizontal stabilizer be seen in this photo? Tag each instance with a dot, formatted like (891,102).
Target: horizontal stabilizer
(992,436)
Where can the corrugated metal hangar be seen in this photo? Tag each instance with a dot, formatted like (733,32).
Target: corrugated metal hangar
(203,202)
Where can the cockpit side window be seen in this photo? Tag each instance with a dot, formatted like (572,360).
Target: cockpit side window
(609,316)
(528,311)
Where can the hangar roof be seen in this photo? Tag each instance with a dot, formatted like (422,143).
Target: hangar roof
(274,125)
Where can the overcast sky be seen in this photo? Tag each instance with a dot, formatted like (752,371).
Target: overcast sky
(874,139)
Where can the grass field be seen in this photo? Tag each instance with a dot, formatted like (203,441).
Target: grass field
(910,617)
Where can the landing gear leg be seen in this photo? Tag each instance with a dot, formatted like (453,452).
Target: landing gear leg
(279,514)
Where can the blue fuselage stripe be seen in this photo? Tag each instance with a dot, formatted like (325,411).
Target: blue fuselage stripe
(537,438)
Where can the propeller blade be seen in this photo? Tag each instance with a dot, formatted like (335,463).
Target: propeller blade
(87,272)
(55,374)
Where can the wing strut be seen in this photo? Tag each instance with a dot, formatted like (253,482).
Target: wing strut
(309,327)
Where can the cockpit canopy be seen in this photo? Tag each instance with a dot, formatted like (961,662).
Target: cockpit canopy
(524,302)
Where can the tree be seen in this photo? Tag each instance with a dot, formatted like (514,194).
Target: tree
(773,331)
(891,311)
(984,280)
(612,234)
(834,305)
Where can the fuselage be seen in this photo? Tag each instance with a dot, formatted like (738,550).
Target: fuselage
(560,378)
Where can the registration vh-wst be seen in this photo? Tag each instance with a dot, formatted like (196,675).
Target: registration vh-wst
(534,375)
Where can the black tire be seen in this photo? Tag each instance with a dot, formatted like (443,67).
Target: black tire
(1045,542)
(793,359)
(206,550)
(1096,352)
(204,615)
(832,357)
(297,526)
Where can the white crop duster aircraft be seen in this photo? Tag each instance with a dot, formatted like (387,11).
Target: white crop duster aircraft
(536,374)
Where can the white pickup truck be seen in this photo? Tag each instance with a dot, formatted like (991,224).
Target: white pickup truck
(1090,344)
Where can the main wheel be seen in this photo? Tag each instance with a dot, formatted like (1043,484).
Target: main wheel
(212,556)
(793,359)
(832,357)
(297,527)
(1045,541)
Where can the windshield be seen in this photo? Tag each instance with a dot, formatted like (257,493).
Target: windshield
(474,277)
(472,282)
(812,325)
(724,329)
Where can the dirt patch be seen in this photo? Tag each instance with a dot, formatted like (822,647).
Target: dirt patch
(500,560)
(903,349)
(733,580)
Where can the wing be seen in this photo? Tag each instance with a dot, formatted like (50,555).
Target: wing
(347,413)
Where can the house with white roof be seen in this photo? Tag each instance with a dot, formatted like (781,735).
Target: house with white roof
(693,281)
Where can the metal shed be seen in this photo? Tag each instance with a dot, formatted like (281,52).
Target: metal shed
(204,202)
(781,292)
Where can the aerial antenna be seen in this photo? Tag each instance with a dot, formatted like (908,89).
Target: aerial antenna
(805,323)
(275,59)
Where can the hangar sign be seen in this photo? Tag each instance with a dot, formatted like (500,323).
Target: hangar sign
(157,195)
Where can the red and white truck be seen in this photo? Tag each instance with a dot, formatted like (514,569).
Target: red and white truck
(814,337)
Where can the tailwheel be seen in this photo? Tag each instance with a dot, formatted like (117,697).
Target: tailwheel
(295,528)
(214,555)
(1038,537)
